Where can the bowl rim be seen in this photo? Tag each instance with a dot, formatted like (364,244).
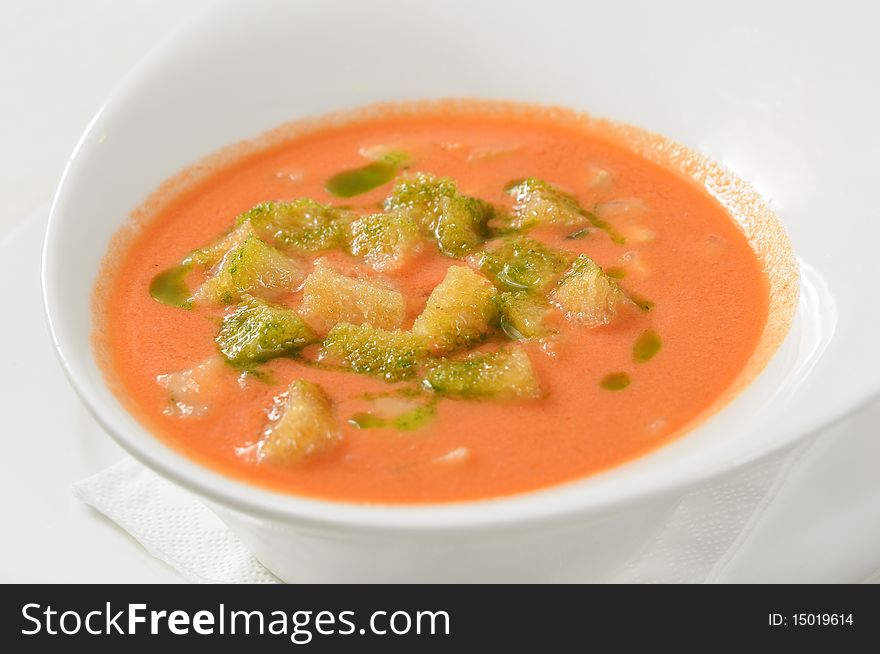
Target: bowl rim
(531,508)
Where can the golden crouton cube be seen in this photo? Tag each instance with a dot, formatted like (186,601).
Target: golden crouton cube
(460,310)
(587,295)
(301,424)
(330,297)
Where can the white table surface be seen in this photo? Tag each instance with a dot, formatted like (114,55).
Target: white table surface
(58,60)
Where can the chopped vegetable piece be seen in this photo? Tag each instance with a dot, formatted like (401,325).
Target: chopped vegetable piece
(457,221)
(522,264)
(255,268)
(302,224)
(392,355)
(538,203)
(583,232)
(457,456)
(330,298)
(258,331)
(505,374)
(459,311)
(301,424)
(385,240)
(621,207)
(189,390)
(522,314)
(587,295)
(601,178)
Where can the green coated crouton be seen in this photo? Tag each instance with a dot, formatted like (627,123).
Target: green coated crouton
(209,255)
(258,331)
(587,295)
(385,241)
(522,264)
(456,221)
(330,297)
(460,225)
(255,268)
(302,224)
(538,203)
(301,423)
(460,310)
(501,375)
(522,314)
(392,355)
(418,195)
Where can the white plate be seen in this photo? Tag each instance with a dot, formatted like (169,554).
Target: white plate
(784,97)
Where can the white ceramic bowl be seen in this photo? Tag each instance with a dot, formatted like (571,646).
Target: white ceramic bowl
(785,95)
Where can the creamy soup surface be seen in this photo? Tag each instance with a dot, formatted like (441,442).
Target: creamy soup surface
(433,305)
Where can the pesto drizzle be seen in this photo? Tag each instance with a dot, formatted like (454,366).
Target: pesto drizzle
(605,226)
(409,421)
(169,287)
(349,183)
(616,381)
(646,346)
(643,303)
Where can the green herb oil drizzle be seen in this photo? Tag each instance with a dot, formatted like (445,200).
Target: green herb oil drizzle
(169,287)
(409,421)
(616,381)
(646,346)
(353,182)
(606,227)
(643,303)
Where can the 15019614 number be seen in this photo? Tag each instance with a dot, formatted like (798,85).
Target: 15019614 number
(810,619)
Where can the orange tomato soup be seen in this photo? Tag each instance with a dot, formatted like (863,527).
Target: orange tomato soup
(694,279)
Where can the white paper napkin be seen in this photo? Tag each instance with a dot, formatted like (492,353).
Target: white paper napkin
(171,524)
(701,536)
